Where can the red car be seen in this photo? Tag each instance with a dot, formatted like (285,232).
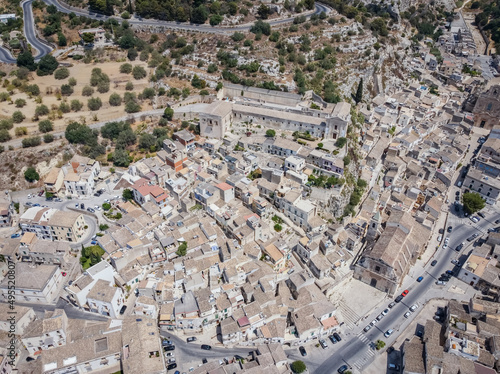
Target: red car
(405,292)
(63,273)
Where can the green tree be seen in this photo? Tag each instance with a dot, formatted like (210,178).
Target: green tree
(138,72)
(146,141)
(18,116)
(88,38)
(168,113)
(347,161)
(127,194)
(4,135)
(126,68)
(359,92)
(31,174)
(20,103)
(87,91)
(25,59)
(263,11)
(298,367)
(340,142)
(61,73)
(47,65)
(76,105)
(270,133)
(106,206)
(94,103)
(379,344)
(278,227)
(182,250)
(473,202)
(45,126)
(66,90)
(115,99)
(103,227)
(31,142)
(61,39)
(120,157)
(42,110)
(199,14)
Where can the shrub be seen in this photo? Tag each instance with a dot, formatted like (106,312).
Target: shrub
(31,142)
(20,103)
(94,103)
(138,72)
(18,116)
(278,227)
(87,91)
(115,99)
(4,135)
(168,113)
(42,110)
(270,133)
(61,73)
(76,105)
(298,367)
(45,126)
(64,107)
(129,86)
(126,68)
(20,131)
(72,82)
(66,90)
(31,175)
(48,138)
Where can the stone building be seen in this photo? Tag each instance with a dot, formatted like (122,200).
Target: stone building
(389,260)
(487,108)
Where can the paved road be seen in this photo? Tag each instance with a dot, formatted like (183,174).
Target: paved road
(356,348)
(29,30)
(44,48)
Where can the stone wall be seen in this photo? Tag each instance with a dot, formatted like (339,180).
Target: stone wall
(259,94)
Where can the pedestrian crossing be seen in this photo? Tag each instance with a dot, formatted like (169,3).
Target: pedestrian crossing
(365,356)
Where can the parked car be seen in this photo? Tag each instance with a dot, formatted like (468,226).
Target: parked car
(169,348)
(171,366)
(455,262)
(385,311)
(414,307)
(472,237)
(170,360)
(169,354)
(13,236)
(342,369)
(391,305)
(206,347)
(337,336)
(440,283)
(388,333)
(404,293)
(372,323)
(82,206)
(63,273)
(123,309)
(407,314)
(302,351)
(398,299)
(433,263)
(323,344)
(380,316)
(191,339)
(166,342)
(440,237)
(449,272)
(459,247)
(481,214)
(333,339)
(419,279)
(474,219)
(367,328)
(449,229)
(91,210)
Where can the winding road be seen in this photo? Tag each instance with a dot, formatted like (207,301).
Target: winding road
(44,48)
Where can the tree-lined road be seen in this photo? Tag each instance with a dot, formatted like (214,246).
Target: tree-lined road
(43,48)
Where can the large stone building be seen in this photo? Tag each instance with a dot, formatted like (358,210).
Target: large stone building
(388,261)
(53,224)
(487,108)
(273,109)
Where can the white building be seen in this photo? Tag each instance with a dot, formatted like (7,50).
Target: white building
(80,175)
(46,333)
(105,298)
(294,163)
(34,284)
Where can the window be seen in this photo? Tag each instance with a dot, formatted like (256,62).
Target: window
(377,269)
(489,106)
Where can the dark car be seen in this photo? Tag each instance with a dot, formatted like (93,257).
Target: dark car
(29,359)
(171,366)
(82,206)
(333,339)
(433,263)
(166,342)
(206,347)
(398,299)
(204,361)
(169,348)
(191,339)
(303,351)
(449,229)
(123,309)
(91,210)
(459,247)
(13,236)
(481,214)
(337,336)
(450,272)
(457,193)
(342,369)
(472,237)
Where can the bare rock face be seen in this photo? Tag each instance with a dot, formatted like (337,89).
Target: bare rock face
(336,204)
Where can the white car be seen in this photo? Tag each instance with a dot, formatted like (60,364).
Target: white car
(440,237)
(414,307)
(106,200)
(388,333)
(407,314)
(447,240)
